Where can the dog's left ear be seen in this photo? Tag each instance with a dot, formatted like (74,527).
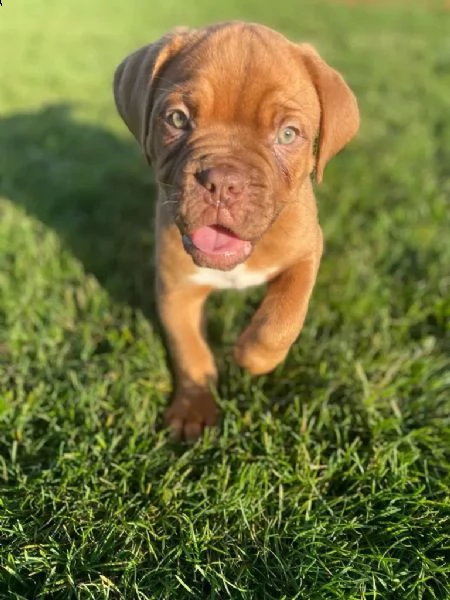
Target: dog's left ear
(339,116)
(136,79)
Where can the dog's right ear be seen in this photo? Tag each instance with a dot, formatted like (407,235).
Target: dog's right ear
(134,81)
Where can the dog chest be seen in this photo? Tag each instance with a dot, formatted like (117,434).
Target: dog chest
(238,278)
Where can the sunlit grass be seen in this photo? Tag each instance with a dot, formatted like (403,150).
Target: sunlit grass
(330,477)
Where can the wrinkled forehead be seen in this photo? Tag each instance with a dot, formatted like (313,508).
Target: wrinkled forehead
(234,73)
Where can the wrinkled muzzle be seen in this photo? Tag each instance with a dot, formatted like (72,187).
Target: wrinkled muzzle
(222,206)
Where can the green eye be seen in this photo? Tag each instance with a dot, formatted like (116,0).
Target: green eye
(178,119)
(286,135)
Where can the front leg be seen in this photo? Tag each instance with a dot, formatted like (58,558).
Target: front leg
(278,321)
(193,406)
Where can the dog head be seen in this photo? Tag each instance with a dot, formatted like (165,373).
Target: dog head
(228,116)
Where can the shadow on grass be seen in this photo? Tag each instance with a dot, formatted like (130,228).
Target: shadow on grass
(95,191)
(90,187)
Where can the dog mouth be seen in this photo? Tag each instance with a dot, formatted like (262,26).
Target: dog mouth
(217,247)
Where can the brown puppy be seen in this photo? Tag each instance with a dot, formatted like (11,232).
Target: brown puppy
(228,116)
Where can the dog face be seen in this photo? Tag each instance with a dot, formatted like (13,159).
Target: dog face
(228,116)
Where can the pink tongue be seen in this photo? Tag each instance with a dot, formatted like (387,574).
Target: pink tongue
(216,240)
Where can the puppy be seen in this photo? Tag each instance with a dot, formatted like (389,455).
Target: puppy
(229,117)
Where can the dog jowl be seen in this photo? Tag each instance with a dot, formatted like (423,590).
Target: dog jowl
(228,116)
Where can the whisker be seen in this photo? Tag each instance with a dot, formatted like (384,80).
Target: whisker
(167,185)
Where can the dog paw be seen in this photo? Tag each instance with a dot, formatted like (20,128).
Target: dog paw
(257,358)
(190,412)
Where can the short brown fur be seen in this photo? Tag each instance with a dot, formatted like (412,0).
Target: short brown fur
(240,85)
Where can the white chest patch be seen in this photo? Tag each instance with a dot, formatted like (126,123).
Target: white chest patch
(238,278)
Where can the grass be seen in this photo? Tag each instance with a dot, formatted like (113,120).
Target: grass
(329,478)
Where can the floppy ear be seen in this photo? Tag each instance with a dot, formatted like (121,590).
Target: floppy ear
(134,81)
(339,116)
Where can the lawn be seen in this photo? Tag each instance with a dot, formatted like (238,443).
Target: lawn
(329,478)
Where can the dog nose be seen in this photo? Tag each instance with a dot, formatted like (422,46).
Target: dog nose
(223,183)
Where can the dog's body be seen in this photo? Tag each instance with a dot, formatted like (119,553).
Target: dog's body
(228,116)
